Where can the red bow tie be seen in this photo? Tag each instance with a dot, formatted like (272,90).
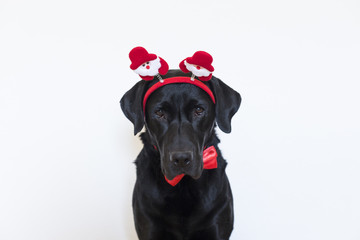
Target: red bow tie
(210,162)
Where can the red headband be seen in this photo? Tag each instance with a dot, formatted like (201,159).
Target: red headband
(177,80)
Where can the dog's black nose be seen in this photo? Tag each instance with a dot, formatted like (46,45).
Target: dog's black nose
(181,159)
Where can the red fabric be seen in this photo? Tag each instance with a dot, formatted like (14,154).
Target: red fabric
(175,180)
(138,56)
(183,67)
(199,58)
(210,162)
(147,78)
(210,158)
(164,67)
(177,80)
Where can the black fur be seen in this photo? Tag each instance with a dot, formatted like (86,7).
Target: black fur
(180,121)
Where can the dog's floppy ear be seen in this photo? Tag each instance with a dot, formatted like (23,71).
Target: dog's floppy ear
(131,105)
(227,103)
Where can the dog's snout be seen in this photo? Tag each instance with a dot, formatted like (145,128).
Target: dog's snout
(181,159)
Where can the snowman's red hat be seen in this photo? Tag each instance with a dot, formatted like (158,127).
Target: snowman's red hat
(138,56)
(200,58)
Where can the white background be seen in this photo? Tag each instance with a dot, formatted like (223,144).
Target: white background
(66,149)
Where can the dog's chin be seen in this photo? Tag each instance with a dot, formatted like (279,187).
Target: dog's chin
(196,175)
(169,175)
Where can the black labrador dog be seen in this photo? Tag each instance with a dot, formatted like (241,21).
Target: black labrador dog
(180,120)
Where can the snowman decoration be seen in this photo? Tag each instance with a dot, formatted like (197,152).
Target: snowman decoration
(199,65)
(147,65)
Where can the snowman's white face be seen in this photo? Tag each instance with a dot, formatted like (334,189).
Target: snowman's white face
(150,68)
(197,70)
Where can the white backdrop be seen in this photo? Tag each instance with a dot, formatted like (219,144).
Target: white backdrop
(67,151)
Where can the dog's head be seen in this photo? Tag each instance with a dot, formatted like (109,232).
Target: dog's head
(180,120)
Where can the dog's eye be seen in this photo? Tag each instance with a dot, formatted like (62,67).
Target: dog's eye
(160,114)
(198,111)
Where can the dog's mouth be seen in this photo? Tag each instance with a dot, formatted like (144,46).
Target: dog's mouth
(193,170)
(171,176)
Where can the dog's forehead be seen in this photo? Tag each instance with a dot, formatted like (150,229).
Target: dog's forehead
(179,93)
